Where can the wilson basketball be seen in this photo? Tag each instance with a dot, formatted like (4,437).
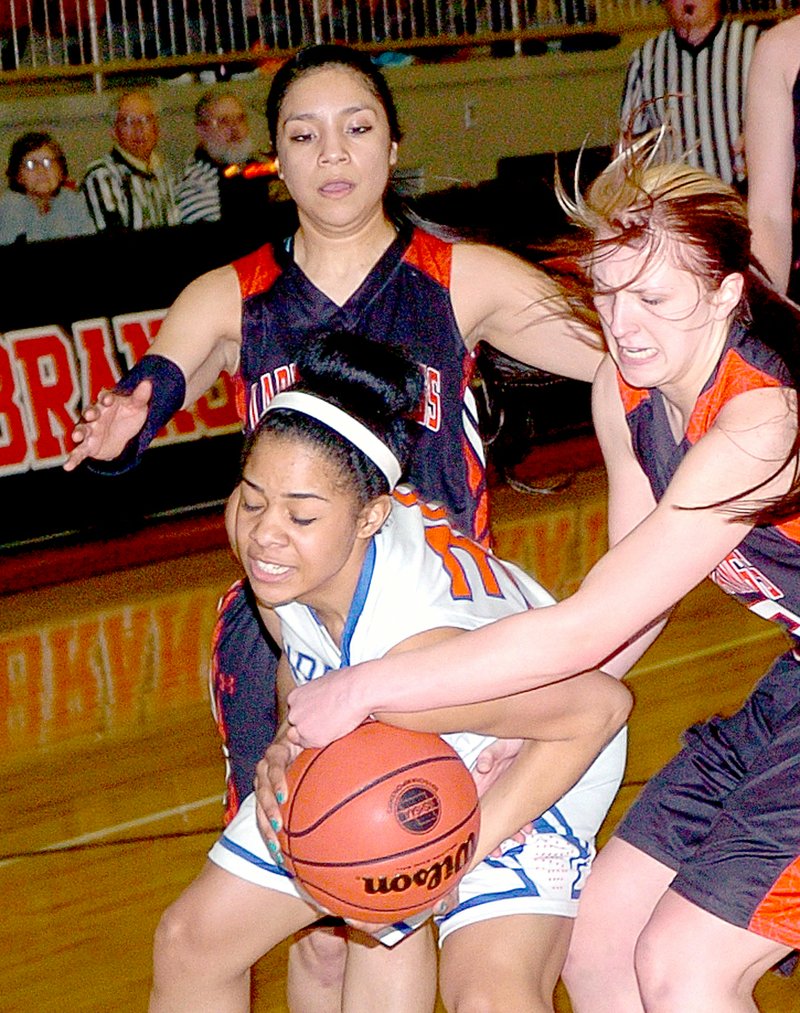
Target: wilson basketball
(380,824)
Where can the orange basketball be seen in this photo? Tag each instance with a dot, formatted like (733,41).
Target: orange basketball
(380,824)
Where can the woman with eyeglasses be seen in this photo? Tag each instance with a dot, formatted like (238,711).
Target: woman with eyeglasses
(40,202)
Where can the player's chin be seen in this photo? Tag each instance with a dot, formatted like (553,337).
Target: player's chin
(271,600)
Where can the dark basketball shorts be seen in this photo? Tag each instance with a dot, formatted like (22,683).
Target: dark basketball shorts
(725,812)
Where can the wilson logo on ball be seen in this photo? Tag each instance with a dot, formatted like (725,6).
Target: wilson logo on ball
(418,808)
(430,877)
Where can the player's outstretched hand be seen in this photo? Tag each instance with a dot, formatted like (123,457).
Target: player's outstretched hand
(271,791)
(324,709)
(106,426)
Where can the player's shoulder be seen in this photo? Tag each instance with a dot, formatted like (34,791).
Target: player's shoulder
(213,295)
(612,400)
(606,377)
(484,264)
(781,41)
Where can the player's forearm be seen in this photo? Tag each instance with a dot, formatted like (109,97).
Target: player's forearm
(542,773)
(202,375)
(622,661)
(562,710)
(510,656)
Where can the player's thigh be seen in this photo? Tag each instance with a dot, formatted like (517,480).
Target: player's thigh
(693,959)
(397,979)
(622,891)
(511,962)
(227,922)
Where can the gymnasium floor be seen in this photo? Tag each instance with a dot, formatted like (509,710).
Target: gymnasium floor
(111,770)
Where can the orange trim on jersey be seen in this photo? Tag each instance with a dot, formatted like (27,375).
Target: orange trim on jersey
(443,539)
(239,397)
(430,511)
(790,529)
(482,533)
(430,255)
(406,498)
(632,397)
(778,915)
(257,271)
(735,376)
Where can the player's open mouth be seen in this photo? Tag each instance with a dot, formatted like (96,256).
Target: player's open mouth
(266,570)
(637,354)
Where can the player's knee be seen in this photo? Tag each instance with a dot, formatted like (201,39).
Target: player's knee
(177,947)
(489,999)
(459,999)
(583,965)
(660,981)
(320,957)
(593,963)
(488,992)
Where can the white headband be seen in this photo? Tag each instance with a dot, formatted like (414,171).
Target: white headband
(340,422)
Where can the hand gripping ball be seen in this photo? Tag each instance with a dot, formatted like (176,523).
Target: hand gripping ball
(380,824)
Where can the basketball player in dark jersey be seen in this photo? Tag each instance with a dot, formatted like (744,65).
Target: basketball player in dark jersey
(351,264)
(772,129)
(696,409)
(348,266)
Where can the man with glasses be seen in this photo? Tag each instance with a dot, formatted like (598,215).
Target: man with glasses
(226,179)
(130,187)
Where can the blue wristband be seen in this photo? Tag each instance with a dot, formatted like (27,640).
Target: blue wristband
(169,393)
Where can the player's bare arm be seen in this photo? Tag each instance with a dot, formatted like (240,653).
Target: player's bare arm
(517,308)
(769,132)
(565,727)
(201,335)
(618,599)
(270,781)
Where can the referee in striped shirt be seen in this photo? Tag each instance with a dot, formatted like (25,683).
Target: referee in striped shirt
(692,77)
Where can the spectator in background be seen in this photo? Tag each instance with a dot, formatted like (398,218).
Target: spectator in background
(224,179)
(773,149)
(130,187)
(40,202)
(691,78)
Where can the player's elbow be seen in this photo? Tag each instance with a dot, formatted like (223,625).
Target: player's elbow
(616,706)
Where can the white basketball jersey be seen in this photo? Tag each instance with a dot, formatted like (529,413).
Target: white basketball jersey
(419,574)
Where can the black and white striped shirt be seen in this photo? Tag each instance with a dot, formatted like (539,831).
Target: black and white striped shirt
(123,194)
(198,193)
(697,91)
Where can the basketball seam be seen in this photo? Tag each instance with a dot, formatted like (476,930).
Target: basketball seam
(310,864)
(298,834)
